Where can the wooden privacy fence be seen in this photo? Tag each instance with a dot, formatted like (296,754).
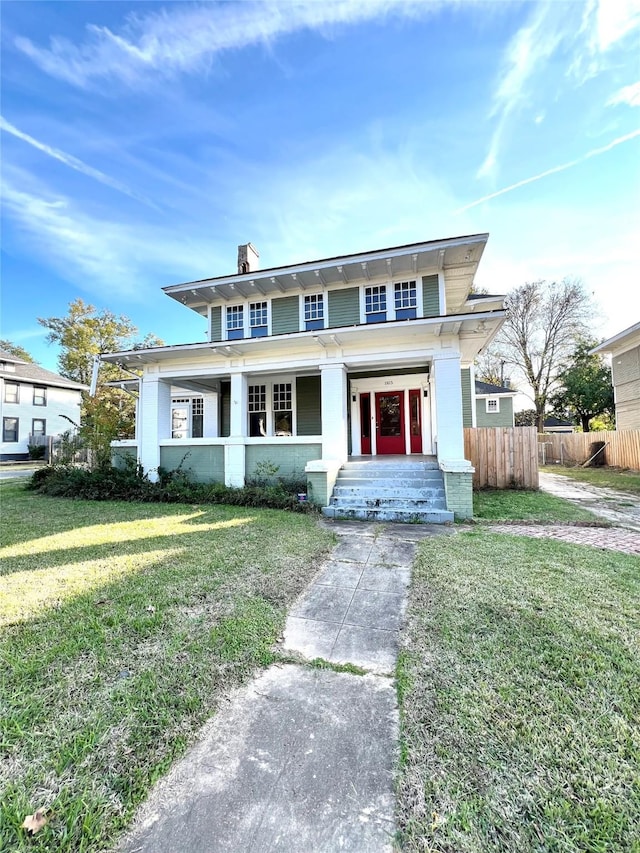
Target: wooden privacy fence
(622,450)
(504,457)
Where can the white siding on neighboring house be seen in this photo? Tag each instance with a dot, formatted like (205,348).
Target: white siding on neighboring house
(60,402)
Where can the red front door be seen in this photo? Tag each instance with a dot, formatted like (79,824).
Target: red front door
(390,422)
(415,421)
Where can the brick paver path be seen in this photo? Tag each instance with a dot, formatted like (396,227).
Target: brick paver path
(608,538)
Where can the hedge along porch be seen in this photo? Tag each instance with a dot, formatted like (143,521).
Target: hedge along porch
(310,364)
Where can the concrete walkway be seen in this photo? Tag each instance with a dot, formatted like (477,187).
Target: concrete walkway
(302,759)
(617,507)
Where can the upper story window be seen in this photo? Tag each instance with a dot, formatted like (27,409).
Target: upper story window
(258,319)
(314,311)
(235,322)
(11,393)
(493,405)
(375,303)
(39,396)
(406,300)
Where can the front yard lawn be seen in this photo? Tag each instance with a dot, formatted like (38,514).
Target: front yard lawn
(122,627)
(520,707)
(514,505)
(609,478)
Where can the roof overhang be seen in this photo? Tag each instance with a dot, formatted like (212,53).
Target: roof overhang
(457,257)
(623,340)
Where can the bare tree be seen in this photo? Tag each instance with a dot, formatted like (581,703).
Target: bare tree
(544,322)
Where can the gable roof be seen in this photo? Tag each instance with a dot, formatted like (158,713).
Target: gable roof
(483,388)
(28,372)
(628,337)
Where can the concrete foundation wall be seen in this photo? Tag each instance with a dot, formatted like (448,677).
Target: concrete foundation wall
(203,463)
(290,458)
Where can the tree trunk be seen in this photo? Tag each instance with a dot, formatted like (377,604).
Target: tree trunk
(540,421)
(584,419)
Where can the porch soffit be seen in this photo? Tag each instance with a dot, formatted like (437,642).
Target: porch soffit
(457,257)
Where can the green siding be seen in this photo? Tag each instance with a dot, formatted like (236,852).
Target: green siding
(503,418)
(430,296)
(225,408)
(467,414)
(203,463)
(344,307)
(285,315)
(309,415)
(291,458)
(216,323)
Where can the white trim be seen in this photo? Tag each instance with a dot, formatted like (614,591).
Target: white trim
(490,411)
(301,305)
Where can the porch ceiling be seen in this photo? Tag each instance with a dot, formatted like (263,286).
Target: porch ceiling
(458,257)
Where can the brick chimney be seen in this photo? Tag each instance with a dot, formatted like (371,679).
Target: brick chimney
(248,259)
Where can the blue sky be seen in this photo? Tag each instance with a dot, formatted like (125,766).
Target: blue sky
(141,142)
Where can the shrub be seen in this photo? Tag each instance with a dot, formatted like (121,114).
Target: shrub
(36,451)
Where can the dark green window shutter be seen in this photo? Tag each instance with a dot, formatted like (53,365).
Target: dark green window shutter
(309,416)
(344,307)
(430,296)
(285,315)
(225,408)
(216,324)
(465,377)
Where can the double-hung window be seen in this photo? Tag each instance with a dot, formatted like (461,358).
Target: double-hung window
(375,303)
(282,408)
(258,319)
(11,392)
(314,311)
(406,301)
(197,417)
(38,426)
(257,404)
(10,429)
(235,322)
(39,396)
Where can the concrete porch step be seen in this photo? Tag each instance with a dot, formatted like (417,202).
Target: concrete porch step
(411,478)
(341,492)
(407,516)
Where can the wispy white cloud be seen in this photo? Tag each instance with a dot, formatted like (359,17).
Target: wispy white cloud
(551,31)
(72,162)
(627,95)
(187,38)
(553,171)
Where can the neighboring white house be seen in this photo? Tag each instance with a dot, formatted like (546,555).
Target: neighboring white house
(33,402)
(625,373)
(311,363)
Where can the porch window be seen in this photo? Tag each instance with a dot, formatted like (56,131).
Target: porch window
(258,319)
(314,311)
(10,429)
(257,403)
(375,303)
(11,393)
(187,417)
(282,408)
(493,405)
(405,300)
(38,426)
(39,396)
(235,322)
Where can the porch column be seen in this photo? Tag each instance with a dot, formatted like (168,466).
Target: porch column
(210,419)
(154,409)
(448,397)
(457,471)
(335,444)
(234,448)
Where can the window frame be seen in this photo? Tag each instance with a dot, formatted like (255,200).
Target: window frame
(9,383)
(255,329)
(308,323)
(43,389)
(6,431)
(244,308)
(178,403)
(270,411)
(490,411)
(409,311)
(43,421)
(380,315)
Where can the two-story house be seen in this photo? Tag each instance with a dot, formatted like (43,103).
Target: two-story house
(34,402)
(310,365)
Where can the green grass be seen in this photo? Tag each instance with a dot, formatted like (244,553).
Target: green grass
(608,478)
(122,626)
(520,708)
(512,505)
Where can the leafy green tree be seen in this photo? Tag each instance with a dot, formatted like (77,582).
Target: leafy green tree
(17,350)
(526,417)
(82,335)
(585,390)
